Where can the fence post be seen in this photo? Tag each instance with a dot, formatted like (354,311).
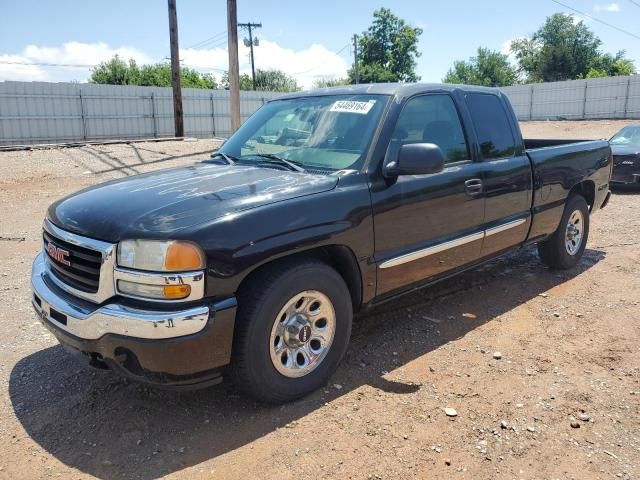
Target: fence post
(84,120)
(153,115)
(213,115)
(531,102)
(626,97)
(584,101)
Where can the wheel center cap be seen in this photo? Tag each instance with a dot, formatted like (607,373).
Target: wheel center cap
(304,334)
(298,331)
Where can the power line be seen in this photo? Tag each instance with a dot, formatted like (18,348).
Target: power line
(216,38)
(66,65)
(318,66)
(597,19)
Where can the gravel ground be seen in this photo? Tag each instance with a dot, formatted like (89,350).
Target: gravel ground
(541,367)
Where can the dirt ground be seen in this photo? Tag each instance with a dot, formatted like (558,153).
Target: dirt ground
(569,344)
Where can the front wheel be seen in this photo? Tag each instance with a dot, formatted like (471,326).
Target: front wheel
(564,249)
(293,327)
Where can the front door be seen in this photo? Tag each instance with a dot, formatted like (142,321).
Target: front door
(428,224)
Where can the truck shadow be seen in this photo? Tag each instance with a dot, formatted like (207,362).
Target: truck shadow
(108,427)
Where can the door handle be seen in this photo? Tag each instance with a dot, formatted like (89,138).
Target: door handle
(473,186)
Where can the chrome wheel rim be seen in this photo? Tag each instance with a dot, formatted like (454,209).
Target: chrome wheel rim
(574,232)
(302,334)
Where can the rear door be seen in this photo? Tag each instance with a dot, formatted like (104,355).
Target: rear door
(506,172)
(428,224)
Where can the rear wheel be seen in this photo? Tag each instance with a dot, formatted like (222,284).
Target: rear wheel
(564,249)
(293,327)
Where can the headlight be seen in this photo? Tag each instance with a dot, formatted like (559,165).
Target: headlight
(160,256)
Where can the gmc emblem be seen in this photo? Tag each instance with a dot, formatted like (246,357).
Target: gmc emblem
(58,254)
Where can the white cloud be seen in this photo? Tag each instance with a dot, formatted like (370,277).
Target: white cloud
(608,7)
(306,65)
(11,68)
(69,54)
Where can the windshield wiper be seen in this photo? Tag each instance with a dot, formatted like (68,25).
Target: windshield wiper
(282,161)
(230,159)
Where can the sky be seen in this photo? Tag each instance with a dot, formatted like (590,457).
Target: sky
(308,40)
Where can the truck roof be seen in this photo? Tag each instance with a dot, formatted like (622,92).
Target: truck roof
(400,90)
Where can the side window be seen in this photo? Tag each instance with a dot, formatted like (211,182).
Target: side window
(492,126)
(431,119)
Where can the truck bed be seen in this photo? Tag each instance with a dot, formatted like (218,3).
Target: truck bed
(532,143)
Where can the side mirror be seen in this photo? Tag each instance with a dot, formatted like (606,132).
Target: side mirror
(416,159)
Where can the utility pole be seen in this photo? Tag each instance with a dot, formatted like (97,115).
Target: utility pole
(355,58)
(234,69)
(250,44)
(175,70)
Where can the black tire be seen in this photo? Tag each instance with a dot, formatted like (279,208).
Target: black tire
(553,251)
(259,303)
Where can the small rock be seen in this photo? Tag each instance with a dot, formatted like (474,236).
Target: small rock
(337,386)
(575,424)
(406,437)
(497,355)
(139,442)
(519,405)
(447,462)
(531,429)
(450,412)
(503,424)
(556,314)
(544,295)
(584,417)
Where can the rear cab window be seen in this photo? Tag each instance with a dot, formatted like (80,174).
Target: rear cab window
(492,126)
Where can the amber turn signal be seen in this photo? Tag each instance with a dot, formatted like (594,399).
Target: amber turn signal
(183,256)
(176,292)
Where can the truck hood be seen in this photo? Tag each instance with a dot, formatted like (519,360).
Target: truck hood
(161,203)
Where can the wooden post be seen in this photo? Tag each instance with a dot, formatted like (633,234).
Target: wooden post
(84,118)
(213,115)
(234,68)
(626,97)
(531,103)
(175,70)
(584,100)
(153,115)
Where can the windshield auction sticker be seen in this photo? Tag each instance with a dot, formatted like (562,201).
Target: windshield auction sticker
(349,106)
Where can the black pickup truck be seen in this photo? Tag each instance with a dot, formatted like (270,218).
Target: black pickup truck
(252,263)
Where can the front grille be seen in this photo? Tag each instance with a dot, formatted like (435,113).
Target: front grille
(83,271)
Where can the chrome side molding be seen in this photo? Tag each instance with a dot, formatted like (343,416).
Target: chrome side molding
(505,226)
(441,247)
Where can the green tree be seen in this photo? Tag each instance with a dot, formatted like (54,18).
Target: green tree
(266,81)
(118,72)
(563,49)
(488,68)
(330,82)
(387,50)
(607,65)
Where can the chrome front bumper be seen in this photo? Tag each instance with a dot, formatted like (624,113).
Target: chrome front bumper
(90,322)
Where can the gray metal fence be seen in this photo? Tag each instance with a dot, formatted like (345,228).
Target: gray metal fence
(39,112)
(593,98)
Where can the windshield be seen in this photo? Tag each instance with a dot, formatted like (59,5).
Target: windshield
(628,136)
(327,133)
